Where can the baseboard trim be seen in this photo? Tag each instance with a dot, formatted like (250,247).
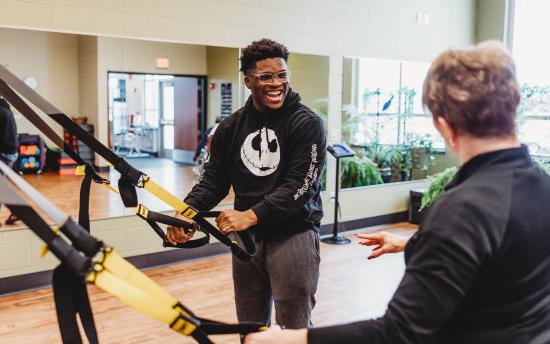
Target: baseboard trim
(366,222)
(14,284)
(42,279)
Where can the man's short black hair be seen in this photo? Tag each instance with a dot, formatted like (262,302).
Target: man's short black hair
(261,50)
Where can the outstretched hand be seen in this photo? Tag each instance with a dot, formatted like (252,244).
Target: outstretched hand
(385,243)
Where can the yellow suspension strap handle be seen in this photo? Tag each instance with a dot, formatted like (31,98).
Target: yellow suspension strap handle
(119,278)
(153,218)
(200,217)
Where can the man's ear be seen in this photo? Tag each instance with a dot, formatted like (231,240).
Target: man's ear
(247,82)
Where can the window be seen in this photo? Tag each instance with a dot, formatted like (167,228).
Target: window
(531,27)
(383,103)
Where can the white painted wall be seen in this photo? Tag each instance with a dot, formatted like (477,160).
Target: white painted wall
(52,58)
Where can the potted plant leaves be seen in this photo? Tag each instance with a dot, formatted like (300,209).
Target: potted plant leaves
(359,171)
(384,156)
(422,199)
(404,164)
(437,186)
(422,156)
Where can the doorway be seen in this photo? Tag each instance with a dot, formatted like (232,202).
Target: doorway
(156,115)
(167,118)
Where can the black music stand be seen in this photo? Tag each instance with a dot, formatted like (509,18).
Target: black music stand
(338,150)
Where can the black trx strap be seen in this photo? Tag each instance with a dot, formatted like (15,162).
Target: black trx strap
(130,176)
(153,218)
(200,225)
(111,273)
(90,175)
(71,298)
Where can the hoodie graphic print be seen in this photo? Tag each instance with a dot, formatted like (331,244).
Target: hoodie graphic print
(260,152)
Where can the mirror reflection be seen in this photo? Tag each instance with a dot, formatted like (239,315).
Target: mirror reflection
(384,121)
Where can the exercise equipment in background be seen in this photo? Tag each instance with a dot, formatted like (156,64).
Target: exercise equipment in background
(32,154)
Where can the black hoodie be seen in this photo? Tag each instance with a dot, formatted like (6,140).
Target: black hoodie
(8,129)
(274,161)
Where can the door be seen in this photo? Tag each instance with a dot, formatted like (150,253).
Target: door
(189,117)
(167,107)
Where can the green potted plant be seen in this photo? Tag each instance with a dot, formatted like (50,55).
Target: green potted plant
(422,199)
(437,186)
(404,165)
(359,171)
(422,156)
(384,156)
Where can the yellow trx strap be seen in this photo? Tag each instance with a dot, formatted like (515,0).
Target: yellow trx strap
(168,198)
(118,277)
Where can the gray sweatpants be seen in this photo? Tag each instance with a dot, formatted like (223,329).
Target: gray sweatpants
(284,271)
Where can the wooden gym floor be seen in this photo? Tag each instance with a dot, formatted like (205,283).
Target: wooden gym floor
(350,288)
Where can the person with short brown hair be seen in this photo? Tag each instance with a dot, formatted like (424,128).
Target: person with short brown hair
(478,268)
(474,90)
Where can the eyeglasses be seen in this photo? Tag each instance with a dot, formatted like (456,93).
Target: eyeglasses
(267,78)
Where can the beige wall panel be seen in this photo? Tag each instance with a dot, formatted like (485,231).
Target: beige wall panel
(51,58)
(386,29)
(223,66)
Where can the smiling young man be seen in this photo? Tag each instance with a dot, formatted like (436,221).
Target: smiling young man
(271,152)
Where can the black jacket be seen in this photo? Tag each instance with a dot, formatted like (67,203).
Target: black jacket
(478,269)
(8,129)
(273,160)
